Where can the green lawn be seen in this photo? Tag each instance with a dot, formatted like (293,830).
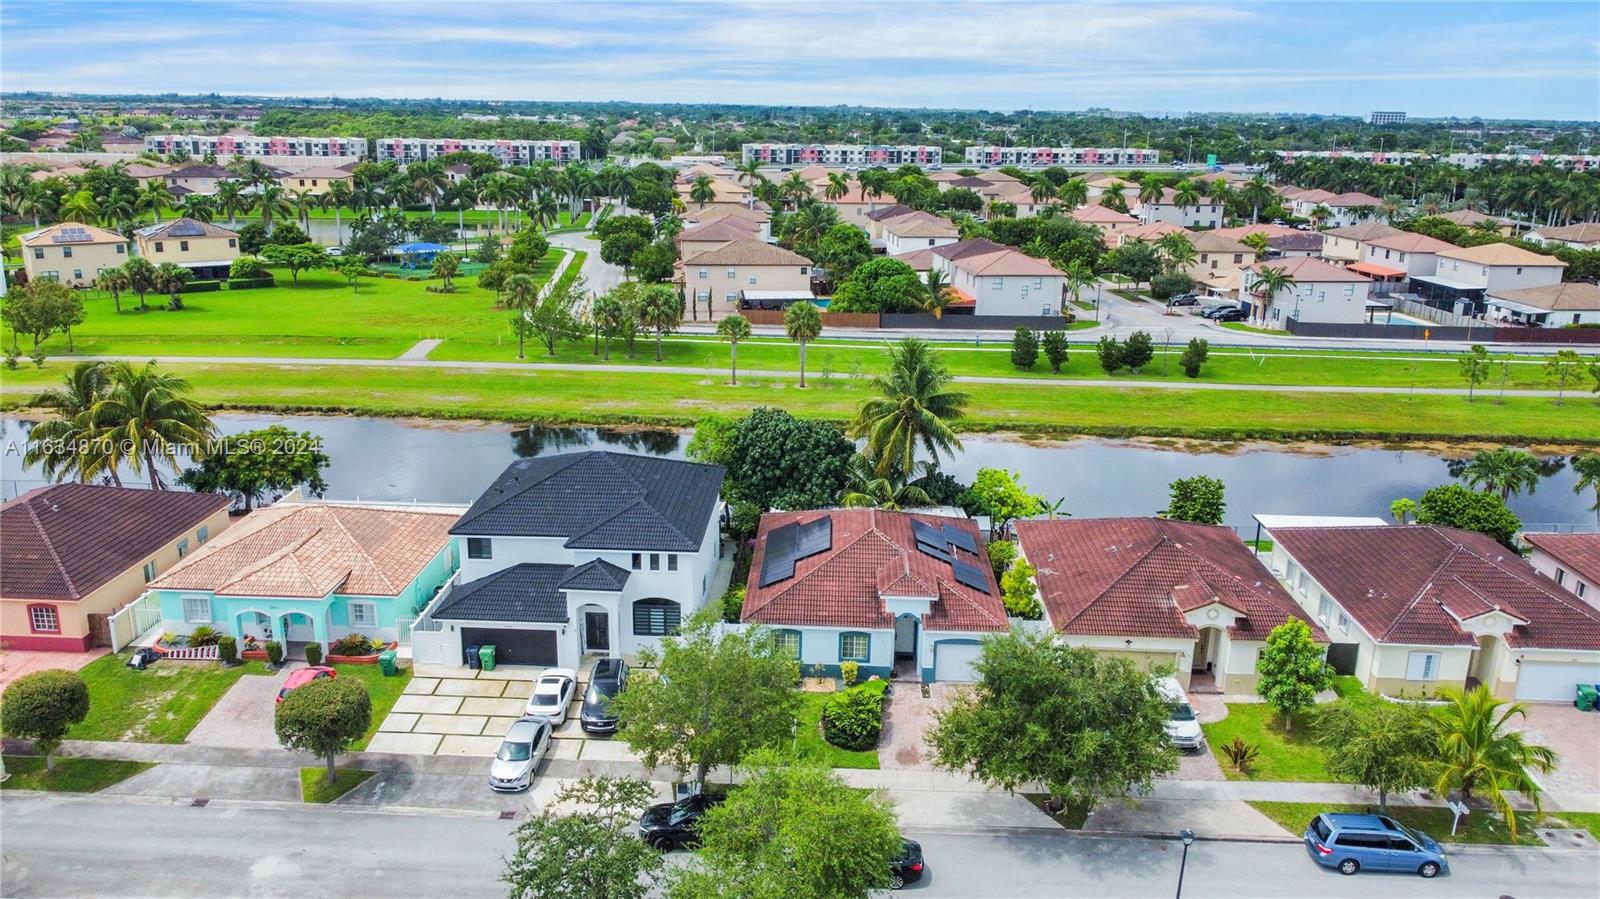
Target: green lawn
(383,690)
(1291,756)
(71,775)
(1481,826)
(158,705)
(808,735)
(314,785)
(1251,329)
(1589,821)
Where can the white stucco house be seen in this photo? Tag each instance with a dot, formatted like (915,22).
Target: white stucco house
(1571,560)
(993,279)
(918,231)
(1551,306)
(588,553)
(1205,212)
(1321,292)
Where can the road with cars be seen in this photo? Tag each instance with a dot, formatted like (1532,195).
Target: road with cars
(166,849)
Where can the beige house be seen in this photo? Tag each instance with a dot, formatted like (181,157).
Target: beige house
(205,249)
(1344,245)
(1110,222)
(315,180)
(71,253)
(1561,305)
(1204,212)
(745,273)
(71,555)
(723,231)
(1582,236)
(1492,267)
(992,279)
(756,215)
(1217,255)
(1413,608)
(1147,233)
(199,179)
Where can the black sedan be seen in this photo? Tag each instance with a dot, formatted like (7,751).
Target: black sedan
(1230,315)
(673,825)
(908,866)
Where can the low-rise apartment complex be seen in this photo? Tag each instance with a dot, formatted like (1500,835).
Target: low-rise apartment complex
(406,150)
(220,145)
(1046,156)
(842,154)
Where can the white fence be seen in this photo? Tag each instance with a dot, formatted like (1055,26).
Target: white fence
(134,619)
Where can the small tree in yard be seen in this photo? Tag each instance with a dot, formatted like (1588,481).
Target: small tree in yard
(42,706)
(1198,499)
(1562,368)
(295,257)
(446,266)
(1480,750)
(1019,592)
(1024,348)
(718,695)
(588,851)
(352,268)
(1475,365)
(1292,670)
(1086,726)
(794,828)
(1385,746)
(733,329)
(1138,350)
(1109,352)
(1194,356)
(660,310)
(324,717)
(553,320)
(1055,349)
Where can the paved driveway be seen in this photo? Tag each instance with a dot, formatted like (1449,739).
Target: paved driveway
(14,663)
(242,718)
(1575,736)
(462,711)
(908,717)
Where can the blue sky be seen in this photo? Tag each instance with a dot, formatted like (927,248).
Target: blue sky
(1539,60)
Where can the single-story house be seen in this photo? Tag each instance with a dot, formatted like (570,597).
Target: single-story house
(72,555)
(878,588)
(1571,560)
(1581,236)
(1551,306)
(1167,594)
(1417,607)
(298,572)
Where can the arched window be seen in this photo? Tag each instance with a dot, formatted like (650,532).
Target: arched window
(655,617)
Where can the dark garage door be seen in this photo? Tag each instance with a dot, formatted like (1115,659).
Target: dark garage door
(1342,656)
(513,647)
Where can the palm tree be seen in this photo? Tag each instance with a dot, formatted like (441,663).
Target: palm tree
(749,172)
(1178,250)
(38,200)
(838,185)
(79,206)
(806,226)
(1505,471)
(1074,193)
(1587,466)
(543,212)
(301,202)
(1258,193)
(802,321)
(1079,275)
(117,208)
(1268,283)
(702,190)
(500,190)
(794,189)
(1320,214)
(733,329)
(429,179)
(874,182)
(198,207)
(939,291)
(1185,195)
(232,200)
(913,409)
(154,196)
(272,204)
(116,281)
(1150,190)
(660,310)
(338,195)
(1041,189)
(148,415)
(522,295)
(1479,751)
(71,444)
(864,487)
(1257,242)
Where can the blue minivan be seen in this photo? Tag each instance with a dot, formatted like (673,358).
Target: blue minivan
(1352,842)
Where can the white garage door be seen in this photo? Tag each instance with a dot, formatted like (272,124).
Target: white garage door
(1554,681)
(953,661)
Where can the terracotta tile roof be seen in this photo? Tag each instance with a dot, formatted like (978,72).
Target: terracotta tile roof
(1135,577)
(747,251)
(1500,254)
(712,213)
(1583,232)
(921,260)
(1469,217)
(1580,552)
(1240,232)
(921,224)
(723,229)
(892,211)
(872,550)
(1365,231)
(1169,198)
(1099,215)
(1149,233)
(1571,296)
(1353,198)
(1413,584)
(961,249)
(312,550)
(1006,262)
(65,541)
(328,173)
(1408,242)
(1212,242)
(67,233)
(1310,270)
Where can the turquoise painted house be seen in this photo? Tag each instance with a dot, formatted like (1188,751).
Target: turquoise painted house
(298,572)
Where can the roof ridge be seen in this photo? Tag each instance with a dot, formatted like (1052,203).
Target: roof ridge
(797,581)
(50,547)
(1160,539)
(272,558)
(1426,588)
(338,520)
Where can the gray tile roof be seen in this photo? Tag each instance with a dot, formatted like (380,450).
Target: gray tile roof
(527,592)
(596,574)
(600,500)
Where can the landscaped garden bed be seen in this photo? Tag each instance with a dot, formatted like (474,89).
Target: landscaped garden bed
(854,723)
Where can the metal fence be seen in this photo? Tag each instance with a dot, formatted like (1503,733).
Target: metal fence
(1479,333)
(1417,309)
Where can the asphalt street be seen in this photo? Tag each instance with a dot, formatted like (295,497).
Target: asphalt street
(95,846)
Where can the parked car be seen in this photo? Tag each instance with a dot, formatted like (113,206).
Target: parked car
(1183,726)
(673,825)
(1183,299)
(1230,315)
(608,679)
(301,676)
(336,252)
(524,747)
(552,695)
(1279,222)
(907,867)
(1213,308)
(1356,842)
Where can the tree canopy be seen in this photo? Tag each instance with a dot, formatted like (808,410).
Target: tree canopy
(581,846)
(249,465)
(777,461)
(1457,506)
(1292,670)
(324,717)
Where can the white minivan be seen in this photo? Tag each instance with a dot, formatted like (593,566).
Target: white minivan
(1183,726)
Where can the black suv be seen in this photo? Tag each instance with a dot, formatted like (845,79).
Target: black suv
(607,680)
(907,867)
(674,825)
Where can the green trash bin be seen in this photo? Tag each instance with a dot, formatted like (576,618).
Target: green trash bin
(486,656)
(386,661)
(1587,697)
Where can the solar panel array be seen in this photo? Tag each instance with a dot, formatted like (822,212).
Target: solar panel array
(186,228)
(792,542)
(71,235)
(960,539)
(931,541)
(942,543)
(969,574)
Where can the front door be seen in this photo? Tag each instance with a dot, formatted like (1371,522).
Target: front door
(905,636)
(596,631)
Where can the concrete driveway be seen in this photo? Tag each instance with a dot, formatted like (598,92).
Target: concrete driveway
(242,718)
(1575,736)
(462,711)
(14,663)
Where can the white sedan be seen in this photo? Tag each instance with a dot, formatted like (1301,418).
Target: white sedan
(552,695)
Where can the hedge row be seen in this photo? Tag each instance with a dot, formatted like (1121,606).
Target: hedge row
(251,283)
(202,286)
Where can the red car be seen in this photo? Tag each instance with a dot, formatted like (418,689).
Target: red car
(302,676)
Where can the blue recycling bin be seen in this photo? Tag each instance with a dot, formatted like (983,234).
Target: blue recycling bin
(473,660)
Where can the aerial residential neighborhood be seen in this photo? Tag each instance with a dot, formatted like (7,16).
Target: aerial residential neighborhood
(751,450)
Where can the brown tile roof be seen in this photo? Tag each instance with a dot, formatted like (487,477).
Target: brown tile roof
(1580,552)
(921,260)
(972,182)
(1501,254)
(1408,242)
(1151,232)
(724,229)
(1413,584)
(47,236)
(747,251)
(1006,262)
(1469,217)
(1212,242)
(1100,215)
(326,172)
(1353,198)
(1574,296)
(1583,232)
(961,249)
(1310,270)
(1240,232)
(1365,231)
(64,541)
(1136,577)
(921,224)
(715,212)
(873,550)
(895,210)
(1169,197)
(311,550)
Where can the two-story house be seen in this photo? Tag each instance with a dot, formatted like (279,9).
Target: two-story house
(746,271)
(1345,245)
(72,253)
(204,249)
(918,231)
(581,553)
(1204,212)
(198,178)
(1462,276)
(316,180)
(992,279)
(1321,292)
(1571,560)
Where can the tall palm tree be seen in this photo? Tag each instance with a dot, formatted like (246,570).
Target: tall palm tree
(1268,283)
(38,200)
(1073,193)
(1258,193)
(198,207)
(522,295)
(702,190)
(733,329)
(429,179)
(1177,249)
(1184,195)
(874,182)
(500,190)
(794,189)
(749,172)
(802,321)
(939,291)
(838,185)
(1505,471)
(232,201)
(302,202)
(913,409)
(71,443)
(79,206)
(1150,190)
(864,487)
(544,211)
(117,282)
(580,185)
(1320,214)
(1041,189)
(148,415)
(805,227)
(338,196)
(1587,466)
(1478,750)
(272,204)
(117,208)
(154,196)
(661,311)
(1079,275)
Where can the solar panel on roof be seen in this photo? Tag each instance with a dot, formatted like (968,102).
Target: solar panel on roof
(960,539)
(927,533)
(186,229)
(971,575)
(814,537)
(939,551)
(70,235)
(778,563)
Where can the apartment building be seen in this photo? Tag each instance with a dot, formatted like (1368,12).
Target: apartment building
(843,154)
(406,150)
(1039,157)
(220,145)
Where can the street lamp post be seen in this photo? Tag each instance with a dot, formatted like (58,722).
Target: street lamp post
(1187,836)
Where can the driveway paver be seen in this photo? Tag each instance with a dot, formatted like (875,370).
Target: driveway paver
(428,705)
(460,744)
(408,744)
(479,705)
(242,718)
(399,722)
(469,688)
(1574,735)
(450,724)
(14,663)
(421,686)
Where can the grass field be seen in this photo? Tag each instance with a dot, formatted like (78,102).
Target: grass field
(1284,756)
(1480,826)
(315,786)
(158,705)
(71,775)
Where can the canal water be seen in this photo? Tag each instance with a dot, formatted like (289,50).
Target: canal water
(398,459)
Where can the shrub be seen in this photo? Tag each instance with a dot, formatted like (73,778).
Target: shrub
(1001,552)
(313,653)
(175,305)
(42,706)
(1240,754)
(1194,356)
(204,635)
(247,268)
(732,604)
(251,283)
(853,719)
(1170,285)
(11,359)
(848,672)
(274,652)
(228,650)
(202,286)
(1018,592)
(1055,348)
(1024,348)
(1110,353)
(1137,351)
(352,645)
